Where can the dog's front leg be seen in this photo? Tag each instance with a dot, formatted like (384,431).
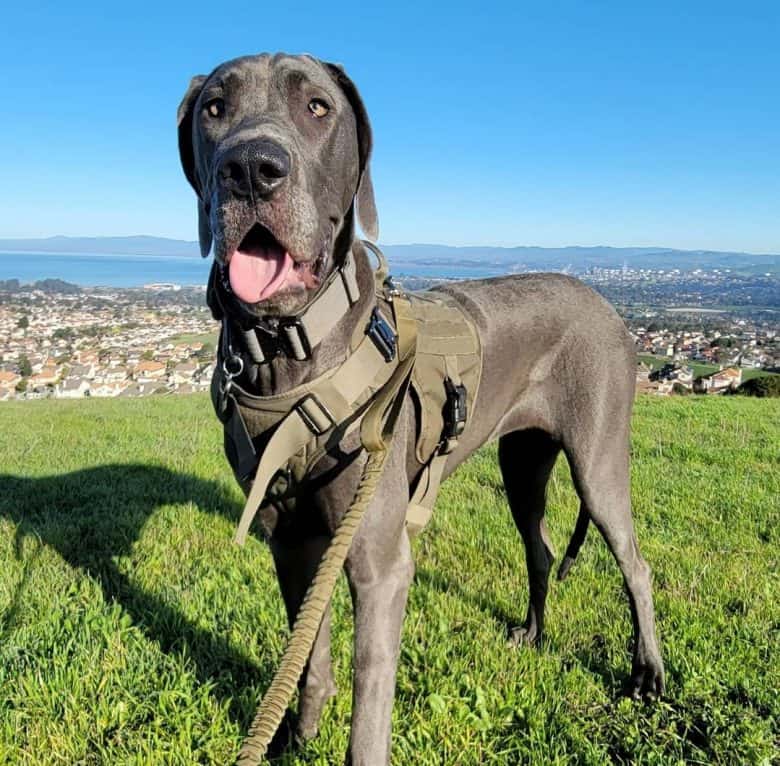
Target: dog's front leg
(295,568)
(379,569)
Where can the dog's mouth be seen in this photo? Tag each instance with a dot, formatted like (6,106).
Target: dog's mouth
(261,267)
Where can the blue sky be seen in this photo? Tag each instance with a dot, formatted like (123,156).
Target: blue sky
(548,124)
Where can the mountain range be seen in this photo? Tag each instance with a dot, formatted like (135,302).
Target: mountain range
(575,258)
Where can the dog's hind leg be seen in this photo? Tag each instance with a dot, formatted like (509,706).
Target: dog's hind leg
(527,459)
(600,469)
(295,568)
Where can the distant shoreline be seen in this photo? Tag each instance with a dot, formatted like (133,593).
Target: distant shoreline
(69,253)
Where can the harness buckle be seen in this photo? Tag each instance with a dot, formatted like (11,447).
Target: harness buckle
(315,415)
(454,409)
(382,334)
(295,334)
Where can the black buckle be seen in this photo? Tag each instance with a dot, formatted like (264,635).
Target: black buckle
(382,333)
(286,323)
(454,409)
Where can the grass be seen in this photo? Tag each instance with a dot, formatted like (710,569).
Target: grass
(132,630)
(206,338)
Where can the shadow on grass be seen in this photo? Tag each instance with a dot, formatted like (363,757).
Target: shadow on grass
(592,656)
(93,515)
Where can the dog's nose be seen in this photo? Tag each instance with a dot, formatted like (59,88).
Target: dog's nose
(259,168)
(270,165)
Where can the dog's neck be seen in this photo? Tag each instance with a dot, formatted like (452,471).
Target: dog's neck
(282,373)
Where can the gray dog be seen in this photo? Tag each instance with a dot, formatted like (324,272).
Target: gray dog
(277,149)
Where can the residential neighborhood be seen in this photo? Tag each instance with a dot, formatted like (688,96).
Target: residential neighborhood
(105,342)
(61,341)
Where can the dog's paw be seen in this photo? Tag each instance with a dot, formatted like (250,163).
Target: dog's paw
(647,680)
(313,701)
(524,636)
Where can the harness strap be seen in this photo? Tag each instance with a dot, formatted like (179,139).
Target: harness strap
(329,403)
(420,508)
(421,503)
(373,429)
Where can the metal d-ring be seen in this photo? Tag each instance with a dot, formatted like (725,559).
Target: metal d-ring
(235,362)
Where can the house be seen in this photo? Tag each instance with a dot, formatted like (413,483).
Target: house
(46,377)
(115,375)
(88,357)
(183,373)
(673,373)
(82,371)
(73,388)
(148,370)
(719,382)
(105,390)
(9,379)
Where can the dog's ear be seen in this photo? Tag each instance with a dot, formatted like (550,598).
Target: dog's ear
(366,205)
(184,120)
(187,156)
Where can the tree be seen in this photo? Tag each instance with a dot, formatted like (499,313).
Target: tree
(765,385)
(23,323)
(25,368)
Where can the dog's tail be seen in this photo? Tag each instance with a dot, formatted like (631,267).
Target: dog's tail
(577,539)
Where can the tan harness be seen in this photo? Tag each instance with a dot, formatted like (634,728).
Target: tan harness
(426,333)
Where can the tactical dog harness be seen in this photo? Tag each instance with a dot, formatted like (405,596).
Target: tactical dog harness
(423,341)
(301,425)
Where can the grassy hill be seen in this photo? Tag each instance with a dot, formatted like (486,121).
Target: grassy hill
(133,631)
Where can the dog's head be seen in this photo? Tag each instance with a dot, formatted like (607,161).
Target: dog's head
(277,150)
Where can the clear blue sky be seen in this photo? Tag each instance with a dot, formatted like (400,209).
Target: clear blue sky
(550,124)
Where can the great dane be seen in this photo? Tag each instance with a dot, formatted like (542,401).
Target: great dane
(277,148)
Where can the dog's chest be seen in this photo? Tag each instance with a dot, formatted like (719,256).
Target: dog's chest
(444,384)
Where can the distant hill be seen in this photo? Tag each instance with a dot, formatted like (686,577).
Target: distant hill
(136,245)
(580,259)
(523,258)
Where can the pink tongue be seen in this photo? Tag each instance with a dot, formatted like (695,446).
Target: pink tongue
(257,274)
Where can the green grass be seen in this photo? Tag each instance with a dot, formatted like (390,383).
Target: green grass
(206,338)
(133,631)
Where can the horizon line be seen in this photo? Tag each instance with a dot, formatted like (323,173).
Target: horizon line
(194,243)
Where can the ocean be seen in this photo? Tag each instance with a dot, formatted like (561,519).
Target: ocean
(104,270)
(138,270)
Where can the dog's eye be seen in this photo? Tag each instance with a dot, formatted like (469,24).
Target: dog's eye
(318,107)
(215,108)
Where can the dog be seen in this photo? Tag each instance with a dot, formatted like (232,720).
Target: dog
(277,149)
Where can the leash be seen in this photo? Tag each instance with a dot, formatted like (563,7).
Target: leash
(307,623)
(376,432)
